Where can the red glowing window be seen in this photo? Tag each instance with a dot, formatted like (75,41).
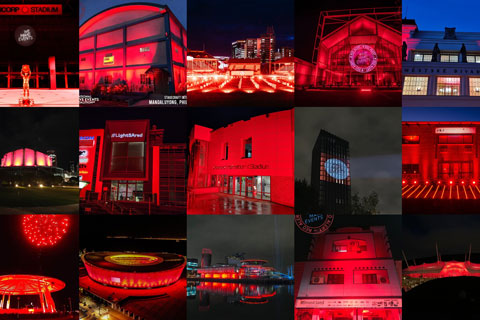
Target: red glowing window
(410,139)
(455,139)
(370,276)
(225,151)
(349,245)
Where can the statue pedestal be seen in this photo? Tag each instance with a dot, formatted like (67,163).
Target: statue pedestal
(25,102)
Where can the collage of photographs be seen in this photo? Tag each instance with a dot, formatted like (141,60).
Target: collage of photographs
(291,160)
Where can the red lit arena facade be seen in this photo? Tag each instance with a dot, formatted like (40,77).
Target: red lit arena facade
(357,49)
(141,45)
(350,275)
(253,159)
(134,270)
(129,163)
(440,161)
(26,158)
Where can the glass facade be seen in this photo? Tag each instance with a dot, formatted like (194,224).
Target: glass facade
(127,191)
(127,157)
(415,86)
(256,187)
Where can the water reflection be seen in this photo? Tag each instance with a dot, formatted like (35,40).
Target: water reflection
(257,300)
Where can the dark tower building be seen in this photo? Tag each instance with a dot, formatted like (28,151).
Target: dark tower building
(206,258)
(331,174)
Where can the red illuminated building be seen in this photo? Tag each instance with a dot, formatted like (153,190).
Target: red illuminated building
(140,45)
(350,275)
(247,269)
(356,48)
(440,162)
(134,270)
(244,293)
(12,286)
(252,159)
(128,163)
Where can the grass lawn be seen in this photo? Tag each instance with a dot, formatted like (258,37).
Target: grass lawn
(38,197)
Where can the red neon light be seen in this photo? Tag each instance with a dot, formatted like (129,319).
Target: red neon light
(31,10)
(45,229)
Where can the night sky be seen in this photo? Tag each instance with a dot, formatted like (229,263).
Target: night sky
(453,233)
(440,114)
(259,237)
(89,8)
(60,261)
(173,120)
(435,15)
(393,225)
(41,130)
(307,13)
(215,24)
(96,230)
(375,148)
(215,118)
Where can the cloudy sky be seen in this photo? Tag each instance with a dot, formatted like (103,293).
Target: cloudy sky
(259,237)
(374,135)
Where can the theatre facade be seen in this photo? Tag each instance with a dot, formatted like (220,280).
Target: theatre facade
(253,159)
(128,162)
(440,68)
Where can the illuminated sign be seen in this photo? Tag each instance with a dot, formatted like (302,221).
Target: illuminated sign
(127,135)
(108,59)
(25,36)
(241,166)
(145,49)
(349,303)
(459,130)
(363,58)
(336,169)
(314,223)
(30,9)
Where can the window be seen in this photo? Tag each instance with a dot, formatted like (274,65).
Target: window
(362,275)
(415,86)
(247,147)
(349,245)
(423,57)
(410,139)
(473,59)
(225,151)
(324,277)
(127,157)
(449,58)
(369,278)
(474,84)
(455,139)
(410,168)
(448,86)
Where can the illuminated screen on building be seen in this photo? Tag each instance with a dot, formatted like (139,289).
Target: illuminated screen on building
(126,150)
(331,173)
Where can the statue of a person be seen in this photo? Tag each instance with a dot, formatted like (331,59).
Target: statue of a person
(404,51)
(435,53)
(463,51)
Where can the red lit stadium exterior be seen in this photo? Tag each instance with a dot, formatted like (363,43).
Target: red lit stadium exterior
(134,270)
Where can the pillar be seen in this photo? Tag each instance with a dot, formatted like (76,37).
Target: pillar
(50,303)
(8,303)
(1,301)
(53,74)
(42,301)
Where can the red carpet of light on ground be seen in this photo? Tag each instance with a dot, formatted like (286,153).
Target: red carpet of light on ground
(441,191)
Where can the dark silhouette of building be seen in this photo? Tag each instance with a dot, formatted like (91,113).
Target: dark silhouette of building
(206,258)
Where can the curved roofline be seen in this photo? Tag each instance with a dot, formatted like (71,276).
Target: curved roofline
(125,5)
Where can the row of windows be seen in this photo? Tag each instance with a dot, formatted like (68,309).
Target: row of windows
(247,149)
(446,86)
(427,57)
(359,277)
(442,139)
